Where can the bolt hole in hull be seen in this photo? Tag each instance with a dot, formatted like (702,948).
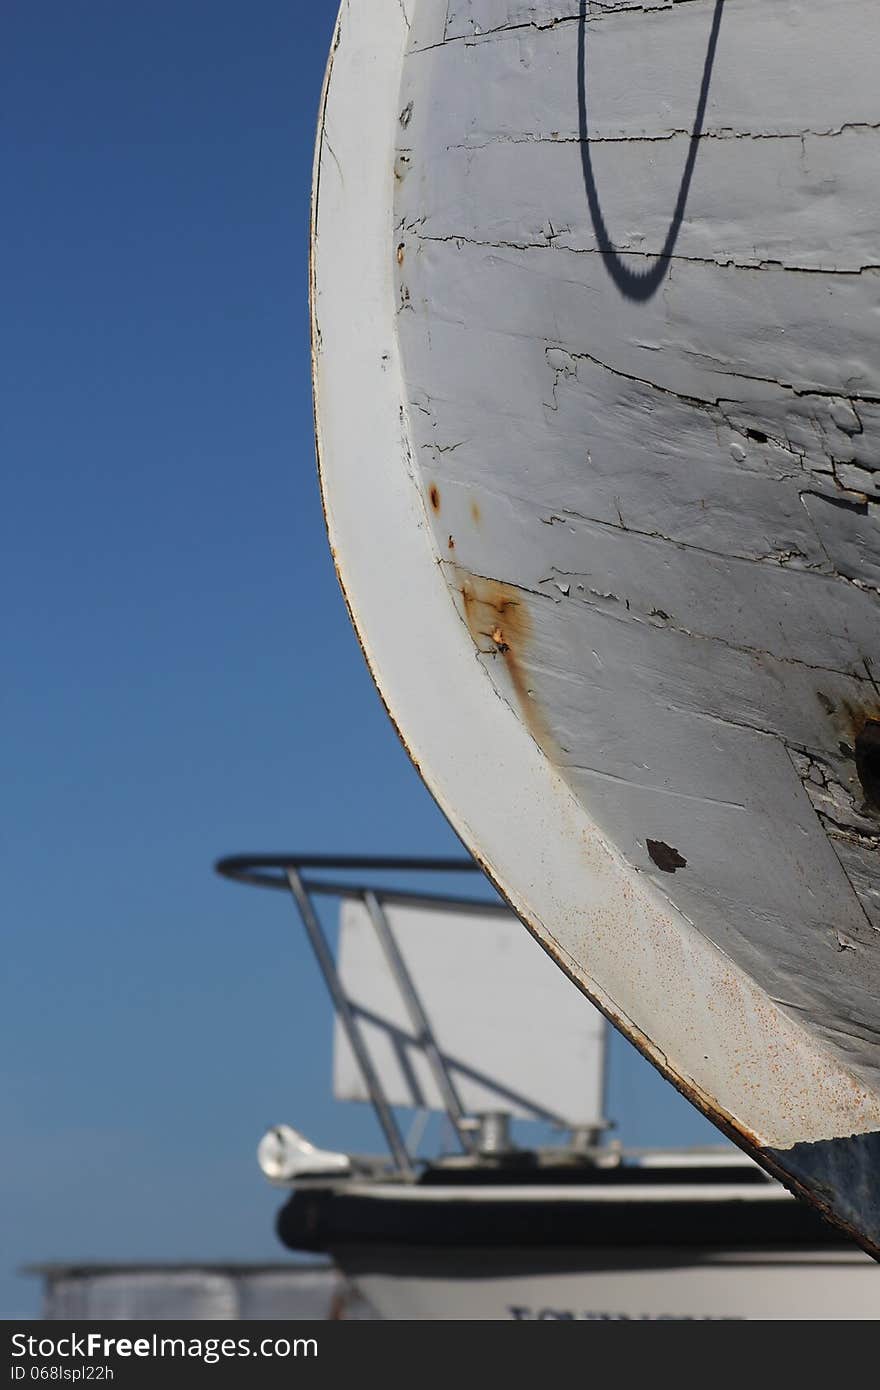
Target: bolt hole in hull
(609,321)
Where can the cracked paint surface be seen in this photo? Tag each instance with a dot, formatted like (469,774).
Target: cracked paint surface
(605,519)
(683,492)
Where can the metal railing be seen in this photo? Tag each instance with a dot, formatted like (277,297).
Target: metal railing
(296,875)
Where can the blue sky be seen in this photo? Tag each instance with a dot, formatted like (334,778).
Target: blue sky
(180,676)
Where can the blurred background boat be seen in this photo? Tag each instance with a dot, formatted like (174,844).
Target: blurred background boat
(211,1290)
(522,1205)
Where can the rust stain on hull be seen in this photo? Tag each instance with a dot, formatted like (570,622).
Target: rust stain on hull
(858,740)
(499,623)
(850,717)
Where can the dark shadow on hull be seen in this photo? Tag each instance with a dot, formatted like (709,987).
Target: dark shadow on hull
(640,285)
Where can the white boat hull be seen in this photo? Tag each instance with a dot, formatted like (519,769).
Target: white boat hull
(654,1284)
(661,1237)
(598,412)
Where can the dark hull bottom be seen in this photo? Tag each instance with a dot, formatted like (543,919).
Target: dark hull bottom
(323,1220)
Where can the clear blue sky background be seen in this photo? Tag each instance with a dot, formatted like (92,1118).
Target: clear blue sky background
(180,679)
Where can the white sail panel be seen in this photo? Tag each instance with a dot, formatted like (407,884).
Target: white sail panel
(515,1033)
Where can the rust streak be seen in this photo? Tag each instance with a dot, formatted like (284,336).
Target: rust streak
(854,717)
(499,623)
(858,729)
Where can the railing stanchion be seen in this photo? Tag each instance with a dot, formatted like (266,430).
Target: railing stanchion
(419,1019)
(345,1014)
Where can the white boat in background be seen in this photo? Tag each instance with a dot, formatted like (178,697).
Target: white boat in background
(195,1291)
(597,384)
(443,1005)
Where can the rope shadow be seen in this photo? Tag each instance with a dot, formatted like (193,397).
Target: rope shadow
(640,285)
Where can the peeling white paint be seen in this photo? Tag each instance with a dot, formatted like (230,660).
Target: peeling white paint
(613,559)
